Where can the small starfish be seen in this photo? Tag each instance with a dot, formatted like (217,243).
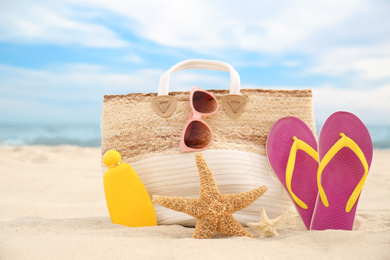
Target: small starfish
(265,227)
(213,210)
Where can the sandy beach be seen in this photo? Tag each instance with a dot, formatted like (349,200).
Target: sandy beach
(53,207)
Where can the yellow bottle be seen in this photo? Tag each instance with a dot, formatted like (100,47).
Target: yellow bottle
(128,201)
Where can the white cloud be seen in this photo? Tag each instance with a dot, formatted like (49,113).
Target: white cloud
(51,22)
(371,105)
(370,63)
(205,26)
(291,63)
(323,29)
(133,58)
(75,91)
(340,37)
(91,82)
(75,81)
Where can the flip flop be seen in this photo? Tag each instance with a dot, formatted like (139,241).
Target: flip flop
(292,154)
(345,150)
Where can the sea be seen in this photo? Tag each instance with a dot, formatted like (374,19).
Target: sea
(79,134)
(89,135)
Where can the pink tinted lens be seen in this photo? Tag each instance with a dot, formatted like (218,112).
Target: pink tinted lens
(204,102)
(197,135)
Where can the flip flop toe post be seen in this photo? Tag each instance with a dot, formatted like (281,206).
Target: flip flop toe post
(292,154)
(345,151)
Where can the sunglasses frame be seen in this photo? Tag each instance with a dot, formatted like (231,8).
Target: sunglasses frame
(197,116)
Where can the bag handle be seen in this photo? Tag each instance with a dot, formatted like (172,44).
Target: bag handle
(235,86)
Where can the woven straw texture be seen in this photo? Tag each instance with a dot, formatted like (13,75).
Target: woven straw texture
(237,155)
(133,128)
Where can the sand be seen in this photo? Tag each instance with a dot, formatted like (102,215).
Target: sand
(52,206)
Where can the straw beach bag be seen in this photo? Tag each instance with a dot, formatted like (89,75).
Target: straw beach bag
(145,128)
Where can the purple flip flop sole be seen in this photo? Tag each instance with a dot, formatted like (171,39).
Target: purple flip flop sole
(303,182)
(343,172)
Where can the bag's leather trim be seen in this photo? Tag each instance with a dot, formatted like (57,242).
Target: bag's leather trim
(164,105)
(234,105)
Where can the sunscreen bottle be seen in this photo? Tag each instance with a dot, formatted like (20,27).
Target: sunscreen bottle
(128,201)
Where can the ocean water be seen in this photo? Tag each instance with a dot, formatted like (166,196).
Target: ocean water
(90,135)
(51,134)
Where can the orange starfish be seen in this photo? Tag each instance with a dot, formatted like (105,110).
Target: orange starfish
(213,210)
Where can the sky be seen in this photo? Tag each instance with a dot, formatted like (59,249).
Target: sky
(59,58)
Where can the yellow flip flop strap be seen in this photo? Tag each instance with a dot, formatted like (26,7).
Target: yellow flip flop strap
(344,141)
(297,145)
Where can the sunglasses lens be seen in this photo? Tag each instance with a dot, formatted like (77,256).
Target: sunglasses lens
(204,102)
(197,135)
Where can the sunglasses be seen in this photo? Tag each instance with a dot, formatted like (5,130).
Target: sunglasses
(197,134)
